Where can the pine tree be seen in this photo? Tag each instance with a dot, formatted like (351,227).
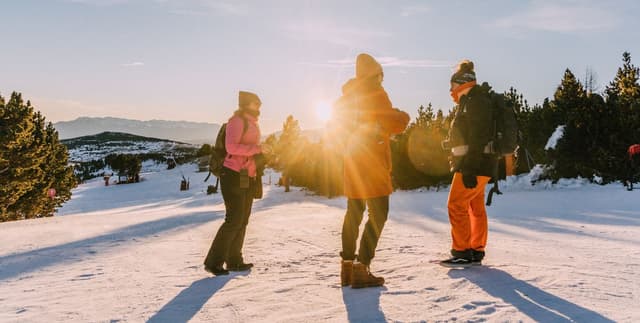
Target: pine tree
(570,105)
(17,148)
(623,108)
(288,148)
(32,161)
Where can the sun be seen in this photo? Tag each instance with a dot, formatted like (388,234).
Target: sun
(323,110)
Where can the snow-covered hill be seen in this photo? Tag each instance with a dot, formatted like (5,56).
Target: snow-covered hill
(132,253)
(184,131)
(98,146)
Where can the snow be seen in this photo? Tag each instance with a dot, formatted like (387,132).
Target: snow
(131,253)
(94,152)
(555,136)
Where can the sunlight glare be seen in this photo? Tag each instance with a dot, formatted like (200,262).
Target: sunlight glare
(323,110)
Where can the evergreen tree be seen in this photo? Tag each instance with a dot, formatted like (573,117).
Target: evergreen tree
(417,155)
(32,161)
(570,104)
(288,147)
(623,108)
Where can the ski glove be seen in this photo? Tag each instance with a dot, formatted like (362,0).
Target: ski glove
(469,181)
(261,162)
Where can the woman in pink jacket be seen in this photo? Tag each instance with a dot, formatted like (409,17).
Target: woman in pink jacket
(238,182)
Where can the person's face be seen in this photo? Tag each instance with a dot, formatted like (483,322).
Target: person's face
(254,106)
(452,91)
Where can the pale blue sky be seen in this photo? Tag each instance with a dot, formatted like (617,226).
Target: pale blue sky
(186,60)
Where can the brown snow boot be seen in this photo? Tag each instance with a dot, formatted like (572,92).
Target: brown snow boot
(345,272)
(361,277)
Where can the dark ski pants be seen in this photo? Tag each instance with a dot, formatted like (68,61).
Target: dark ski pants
(227,245)
(378,212)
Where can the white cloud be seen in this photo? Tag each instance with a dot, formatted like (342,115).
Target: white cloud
(133,64)
(332,33)
(183,7)
(414,10)
(227,7)
(569,17)
(98,2)
(206,7)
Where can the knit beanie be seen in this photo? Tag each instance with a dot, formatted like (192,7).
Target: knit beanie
(367,66)
(244,98)
(464,73)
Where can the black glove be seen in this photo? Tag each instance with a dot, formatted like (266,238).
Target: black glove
(261,161)
(469,181)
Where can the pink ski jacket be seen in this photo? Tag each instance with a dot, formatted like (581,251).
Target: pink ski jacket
(241,148)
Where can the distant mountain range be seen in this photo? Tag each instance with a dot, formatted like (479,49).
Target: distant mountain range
(183,131)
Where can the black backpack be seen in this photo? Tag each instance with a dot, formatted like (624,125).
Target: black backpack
(505,125)
(219,153)
(505,134)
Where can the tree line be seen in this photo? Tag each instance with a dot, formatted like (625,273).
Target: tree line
(598,129)
(36,178)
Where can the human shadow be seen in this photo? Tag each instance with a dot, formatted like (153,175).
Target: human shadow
(189,301)
(20,263)
(363,305)
(534,302)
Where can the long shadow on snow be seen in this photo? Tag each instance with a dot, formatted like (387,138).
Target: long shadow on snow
(532,212)
(528,299)
(29,261)
(188,303)
(363,305)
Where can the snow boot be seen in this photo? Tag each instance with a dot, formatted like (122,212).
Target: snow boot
(217,270)
(456,262)
(239,267)
(361,277)
(345,272)
(476,257)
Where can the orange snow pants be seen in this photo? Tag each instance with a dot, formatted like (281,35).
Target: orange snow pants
(467,214)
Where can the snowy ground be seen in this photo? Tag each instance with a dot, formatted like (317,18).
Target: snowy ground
(132,253)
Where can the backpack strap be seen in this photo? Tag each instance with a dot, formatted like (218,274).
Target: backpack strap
(495,188)
(245,128)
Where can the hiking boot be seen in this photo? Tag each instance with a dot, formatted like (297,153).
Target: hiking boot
(361,277)
(345,272)
(217,270)
(456,262)
(240,267)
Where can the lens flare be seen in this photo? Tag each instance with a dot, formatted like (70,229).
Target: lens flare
(425,153)
(323,110)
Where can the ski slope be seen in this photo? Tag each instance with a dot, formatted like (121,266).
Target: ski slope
(133,253)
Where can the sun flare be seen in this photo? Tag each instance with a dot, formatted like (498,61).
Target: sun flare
(323,110)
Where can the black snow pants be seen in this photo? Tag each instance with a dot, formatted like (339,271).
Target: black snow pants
(227,245)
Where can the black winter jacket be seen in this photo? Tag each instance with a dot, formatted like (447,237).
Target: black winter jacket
(473,126)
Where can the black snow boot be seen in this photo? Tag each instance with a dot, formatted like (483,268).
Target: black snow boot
(476,257)
(217,270)
(240,267)
(456,262)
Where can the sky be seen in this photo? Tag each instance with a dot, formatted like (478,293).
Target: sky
(187,60)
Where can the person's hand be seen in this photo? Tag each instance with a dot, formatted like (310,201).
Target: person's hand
(260,160)
(469,181)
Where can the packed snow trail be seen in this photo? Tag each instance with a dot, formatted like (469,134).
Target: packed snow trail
(133,253)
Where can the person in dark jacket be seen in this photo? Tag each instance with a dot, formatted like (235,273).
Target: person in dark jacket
(239,181)
(366,120)
(472,164)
